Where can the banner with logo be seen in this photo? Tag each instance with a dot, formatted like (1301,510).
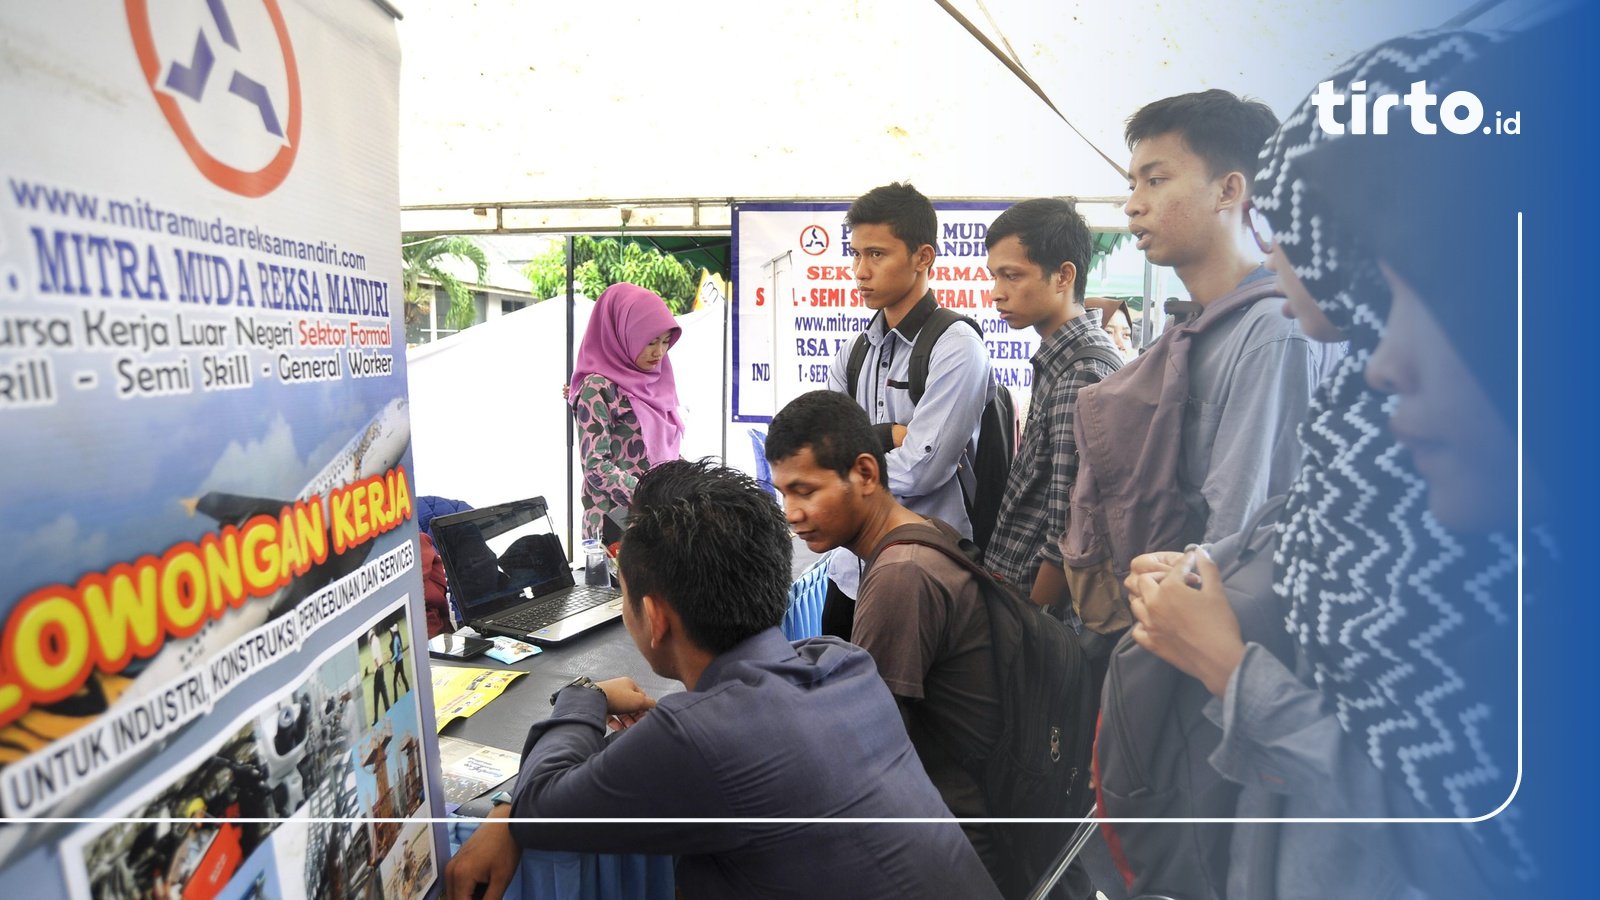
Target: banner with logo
(210,603)
(797,302)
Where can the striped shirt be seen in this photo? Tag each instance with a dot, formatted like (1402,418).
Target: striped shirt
(1034,511)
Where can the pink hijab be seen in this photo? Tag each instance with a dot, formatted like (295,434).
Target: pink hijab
(625,320)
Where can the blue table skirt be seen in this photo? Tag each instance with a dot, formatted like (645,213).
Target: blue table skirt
(558,875)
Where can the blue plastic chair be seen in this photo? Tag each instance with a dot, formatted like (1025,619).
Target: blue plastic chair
(806,595)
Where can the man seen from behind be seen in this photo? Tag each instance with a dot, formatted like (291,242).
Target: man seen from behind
(765,729)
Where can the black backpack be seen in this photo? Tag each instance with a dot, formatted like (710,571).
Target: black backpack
(997,429)
(1152,756)
(1039,765)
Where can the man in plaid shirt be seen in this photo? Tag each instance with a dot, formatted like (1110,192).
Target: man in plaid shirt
(1039,252)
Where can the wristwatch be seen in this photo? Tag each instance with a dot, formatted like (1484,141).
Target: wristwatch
(582,681)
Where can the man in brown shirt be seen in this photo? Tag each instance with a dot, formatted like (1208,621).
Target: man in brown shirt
(920,616)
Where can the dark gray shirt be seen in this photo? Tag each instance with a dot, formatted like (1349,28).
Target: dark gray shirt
(771,730)
(922,618)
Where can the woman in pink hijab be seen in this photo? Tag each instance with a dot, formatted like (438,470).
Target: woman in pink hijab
(624,398)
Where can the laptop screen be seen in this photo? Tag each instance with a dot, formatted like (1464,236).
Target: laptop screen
(500,556)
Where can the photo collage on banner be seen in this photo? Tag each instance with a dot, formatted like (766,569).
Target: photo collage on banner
(211,604)
(311,752)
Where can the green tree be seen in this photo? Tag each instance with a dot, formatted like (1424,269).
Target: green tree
(600,263)
(421,258)
(547,272)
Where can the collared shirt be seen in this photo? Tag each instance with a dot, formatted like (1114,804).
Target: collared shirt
(771,730)
(941,431)
(1036,505)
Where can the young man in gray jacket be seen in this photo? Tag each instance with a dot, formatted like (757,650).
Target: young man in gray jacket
(1186,442)
(764,730)
(1250,377)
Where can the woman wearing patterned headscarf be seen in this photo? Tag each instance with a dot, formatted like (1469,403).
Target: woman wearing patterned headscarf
(624,397)
(1373,583)
(1392,708)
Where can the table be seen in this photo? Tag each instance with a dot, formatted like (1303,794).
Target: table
(604,652)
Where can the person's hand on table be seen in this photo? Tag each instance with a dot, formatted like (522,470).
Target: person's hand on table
(1194,629)
(489,858)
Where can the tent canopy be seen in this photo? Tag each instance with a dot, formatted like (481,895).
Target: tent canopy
(586,108)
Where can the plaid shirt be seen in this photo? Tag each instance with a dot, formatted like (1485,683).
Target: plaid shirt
(1035,509)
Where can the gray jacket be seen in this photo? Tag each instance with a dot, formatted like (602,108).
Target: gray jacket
(1283,744)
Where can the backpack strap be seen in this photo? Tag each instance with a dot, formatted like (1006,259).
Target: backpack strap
(925,534)
(936,535)
(1097,352)
(1240,298)
(922,349)
(1270,514)
(858,358)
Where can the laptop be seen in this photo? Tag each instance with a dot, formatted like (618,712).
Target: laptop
(510,576)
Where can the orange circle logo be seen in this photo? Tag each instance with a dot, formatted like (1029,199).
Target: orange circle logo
(192,78)
(814,240)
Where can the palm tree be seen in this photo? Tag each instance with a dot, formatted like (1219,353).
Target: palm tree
(420,259)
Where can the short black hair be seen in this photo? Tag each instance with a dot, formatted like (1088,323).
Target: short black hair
(711,542)
(1052,232)
(909,215)
(1219,127)
(835,427)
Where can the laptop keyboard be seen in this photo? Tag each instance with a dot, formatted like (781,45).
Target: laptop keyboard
(548,612)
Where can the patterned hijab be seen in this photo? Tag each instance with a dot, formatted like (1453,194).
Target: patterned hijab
(1391,610)
(625,320)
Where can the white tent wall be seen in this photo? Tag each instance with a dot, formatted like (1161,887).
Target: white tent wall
(489,424)
(700,362)
(488,421)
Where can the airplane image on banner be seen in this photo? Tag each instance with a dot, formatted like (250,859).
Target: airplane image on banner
(375,450)
(378,447)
